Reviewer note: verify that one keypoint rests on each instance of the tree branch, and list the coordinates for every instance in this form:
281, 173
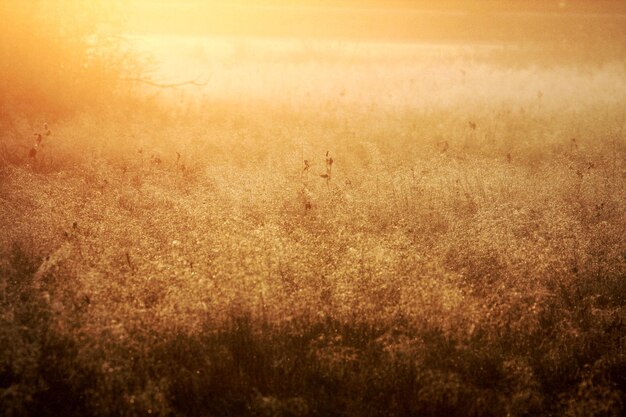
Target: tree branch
194, 83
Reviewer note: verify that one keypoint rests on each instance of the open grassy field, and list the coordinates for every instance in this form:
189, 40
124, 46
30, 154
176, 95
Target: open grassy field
326, 228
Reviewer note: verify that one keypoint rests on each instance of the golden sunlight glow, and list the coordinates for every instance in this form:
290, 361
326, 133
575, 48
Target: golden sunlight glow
396, 19
312, 208
405, 53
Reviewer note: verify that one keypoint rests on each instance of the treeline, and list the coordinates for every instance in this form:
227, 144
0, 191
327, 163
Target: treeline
579, 6
60, 56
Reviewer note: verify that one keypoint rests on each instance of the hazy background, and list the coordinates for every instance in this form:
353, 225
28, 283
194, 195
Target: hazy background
401, 53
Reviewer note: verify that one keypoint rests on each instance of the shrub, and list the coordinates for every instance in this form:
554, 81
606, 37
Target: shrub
60, 56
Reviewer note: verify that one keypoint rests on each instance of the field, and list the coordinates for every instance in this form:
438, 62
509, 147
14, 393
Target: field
326, 228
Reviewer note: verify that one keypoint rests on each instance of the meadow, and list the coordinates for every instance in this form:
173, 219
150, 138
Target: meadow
326, 228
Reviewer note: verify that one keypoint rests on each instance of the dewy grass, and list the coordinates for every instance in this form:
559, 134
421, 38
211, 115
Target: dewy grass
454, 248
414, 282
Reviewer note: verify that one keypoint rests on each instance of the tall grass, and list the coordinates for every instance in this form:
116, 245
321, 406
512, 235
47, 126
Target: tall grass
486, 279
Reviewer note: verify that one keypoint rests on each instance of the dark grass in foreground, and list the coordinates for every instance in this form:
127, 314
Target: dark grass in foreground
311, 366
455, 269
